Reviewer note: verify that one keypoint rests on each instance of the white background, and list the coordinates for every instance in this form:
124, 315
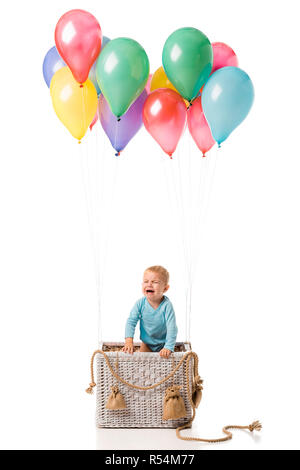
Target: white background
246, 299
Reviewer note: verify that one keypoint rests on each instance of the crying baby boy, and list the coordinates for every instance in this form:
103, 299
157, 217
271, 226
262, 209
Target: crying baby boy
154, 311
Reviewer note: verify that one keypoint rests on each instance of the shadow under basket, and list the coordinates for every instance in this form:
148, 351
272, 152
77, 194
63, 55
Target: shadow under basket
144, 408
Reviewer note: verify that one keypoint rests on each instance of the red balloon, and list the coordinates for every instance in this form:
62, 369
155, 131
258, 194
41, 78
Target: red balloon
199, 127
78, 38
224, 56
164, 117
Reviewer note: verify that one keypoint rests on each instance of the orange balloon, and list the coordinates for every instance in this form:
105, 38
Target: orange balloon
164, 117
160, 80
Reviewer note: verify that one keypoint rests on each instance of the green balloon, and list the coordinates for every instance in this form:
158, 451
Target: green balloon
122, 72
187, 60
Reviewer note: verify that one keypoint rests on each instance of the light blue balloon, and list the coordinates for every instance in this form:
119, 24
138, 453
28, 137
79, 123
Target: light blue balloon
52, 63
92, 74
226, 100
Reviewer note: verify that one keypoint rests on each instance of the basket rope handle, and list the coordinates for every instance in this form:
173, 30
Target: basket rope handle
138, 387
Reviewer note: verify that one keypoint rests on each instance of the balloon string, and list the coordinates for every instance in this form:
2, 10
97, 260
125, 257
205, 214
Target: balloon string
107, 175
102, 226
116, 136
102, 212
97, 177
109, 206
93, 163
180, 211
188, 197
178, 214
195, 188
91, 187
93, 182
94, 191
181, 206
174, 205
99, 189
210, 171
195, 198
188, 191
83, 106
182, 234
183, 214
105, 178
91, 225
191, 207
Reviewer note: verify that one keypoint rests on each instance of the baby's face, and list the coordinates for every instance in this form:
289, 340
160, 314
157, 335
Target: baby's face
153, 286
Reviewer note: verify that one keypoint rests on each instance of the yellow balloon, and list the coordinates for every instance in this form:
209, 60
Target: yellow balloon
160, 80
75, 105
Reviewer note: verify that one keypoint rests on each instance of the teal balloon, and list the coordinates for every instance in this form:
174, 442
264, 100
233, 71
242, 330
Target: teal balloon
187, 60
122, 72
226, 100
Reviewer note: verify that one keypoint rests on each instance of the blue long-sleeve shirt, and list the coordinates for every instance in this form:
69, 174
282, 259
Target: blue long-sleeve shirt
157, 326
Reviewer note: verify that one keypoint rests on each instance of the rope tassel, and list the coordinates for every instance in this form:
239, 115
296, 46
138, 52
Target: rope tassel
90, 390
255, 426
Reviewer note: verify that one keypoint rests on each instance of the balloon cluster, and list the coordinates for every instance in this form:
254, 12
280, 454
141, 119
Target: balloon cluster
92, 77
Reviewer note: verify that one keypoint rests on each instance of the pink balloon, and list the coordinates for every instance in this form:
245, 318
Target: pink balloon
78, 38
199, 127
148, 84
94, 120
164, 117
224, 56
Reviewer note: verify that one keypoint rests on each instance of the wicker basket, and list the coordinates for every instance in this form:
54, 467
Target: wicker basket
143, 379
144, 409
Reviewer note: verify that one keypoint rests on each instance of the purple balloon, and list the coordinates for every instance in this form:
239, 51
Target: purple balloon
52, 63
122, 131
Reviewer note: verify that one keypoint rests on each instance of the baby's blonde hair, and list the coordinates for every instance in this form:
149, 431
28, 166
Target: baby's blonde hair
161, 271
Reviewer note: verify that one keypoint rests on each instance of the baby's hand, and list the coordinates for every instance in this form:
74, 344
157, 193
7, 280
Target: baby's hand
128, 346
165, 353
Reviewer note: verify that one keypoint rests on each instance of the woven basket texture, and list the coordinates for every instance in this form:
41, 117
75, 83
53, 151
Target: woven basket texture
144, 409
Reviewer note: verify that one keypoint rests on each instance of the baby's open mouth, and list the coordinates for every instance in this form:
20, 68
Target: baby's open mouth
150, 291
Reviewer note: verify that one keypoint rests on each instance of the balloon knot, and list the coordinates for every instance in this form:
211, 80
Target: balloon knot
203, 155
81, 85
219, 145
79, 141
119, 119
117, 154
